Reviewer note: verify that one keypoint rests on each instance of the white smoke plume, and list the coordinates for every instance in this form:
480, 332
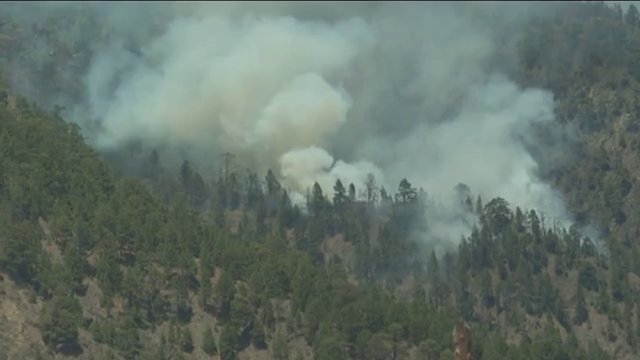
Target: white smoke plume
315, 91
306, 166
481, 147
257, 87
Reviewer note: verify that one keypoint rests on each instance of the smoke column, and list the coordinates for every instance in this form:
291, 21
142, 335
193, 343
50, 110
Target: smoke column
315, 91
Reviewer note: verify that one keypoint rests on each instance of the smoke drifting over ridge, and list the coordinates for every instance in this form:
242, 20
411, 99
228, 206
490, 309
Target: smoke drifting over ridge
315, 91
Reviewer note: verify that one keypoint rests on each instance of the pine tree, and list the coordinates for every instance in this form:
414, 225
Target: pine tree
209, 342
406, 193
581, 313
479, 206
75, 263
340, 196
228, 342
186, 341
632, 16
279, 348
206, 270
60, 320
371, 189
225, 291
433, 268
352, 192
285, 211
253, 190
273, 186
486, 289
316, 203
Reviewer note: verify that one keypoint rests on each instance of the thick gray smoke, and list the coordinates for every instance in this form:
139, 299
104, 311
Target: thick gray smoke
316, 91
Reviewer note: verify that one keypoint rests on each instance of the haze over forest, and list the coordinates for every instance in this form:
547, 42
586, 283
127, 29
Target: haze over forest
315, 91
492, 144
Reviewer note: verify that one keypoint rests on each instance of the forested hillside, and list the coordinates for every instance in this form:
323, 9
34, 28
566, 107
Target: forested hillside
175, 264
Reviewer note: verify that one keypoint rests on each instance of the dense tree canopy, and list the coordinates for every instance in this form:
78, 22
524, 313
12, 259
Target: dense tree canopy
349, 279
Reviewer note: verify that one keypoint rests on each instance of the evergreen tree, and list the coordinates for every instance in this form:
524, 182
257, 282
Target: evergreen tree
486, 289
75, 263
581, 313
273, 186
279, 348
317, 201
225, 291
229, 342
340, 196
253, 190
433, 269
352, 192
632, 17
152, 170
186, 341
479, 205
60, 320
385, 198
206, 271
233, 184
209, 342
406, 193
371, 189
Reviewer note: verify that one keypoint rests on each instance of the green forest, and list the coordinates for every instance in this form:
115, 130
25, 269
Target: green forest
172, 264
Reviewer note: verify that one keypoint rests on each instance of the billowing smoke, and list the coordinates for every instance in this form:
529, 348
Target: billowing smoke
305, 166
314, 91
482, 147
257, 86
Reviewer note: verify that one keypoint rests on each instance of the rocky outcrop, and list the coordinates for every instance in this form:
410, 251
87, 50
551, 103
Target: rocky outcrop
462, 341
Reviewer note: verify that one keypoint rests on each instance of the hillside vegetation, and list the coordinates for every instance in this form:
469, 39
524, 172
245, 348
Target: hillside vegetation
172, 265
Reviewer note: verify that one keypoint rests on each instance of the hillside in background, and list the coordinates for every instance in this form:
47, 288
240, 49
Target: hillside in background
172, 264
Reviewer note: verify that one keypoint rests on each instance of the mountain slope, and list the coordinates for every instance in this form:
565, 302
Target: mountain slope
96, 265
